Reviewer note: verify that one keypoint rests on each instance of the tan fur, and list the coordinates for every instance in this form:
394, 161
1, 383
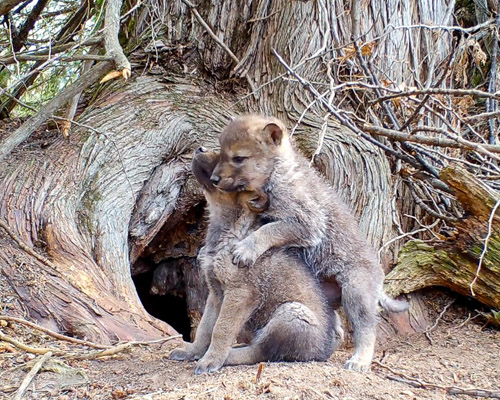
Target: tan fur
304, 213
278, 300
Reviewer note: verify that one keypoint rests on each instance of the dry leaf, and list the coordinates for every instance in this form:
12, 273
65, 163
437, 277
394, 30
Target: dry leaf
125, 73
478, 54
463, 104
367, 48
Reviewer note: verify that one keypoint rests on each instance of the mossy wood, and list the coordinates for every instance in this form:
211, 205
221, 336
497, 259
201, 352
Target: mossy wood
454, 263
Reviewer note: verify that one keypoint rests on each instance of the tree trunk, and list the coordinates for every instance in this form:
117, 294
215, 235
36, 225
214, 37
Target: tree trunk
117, 199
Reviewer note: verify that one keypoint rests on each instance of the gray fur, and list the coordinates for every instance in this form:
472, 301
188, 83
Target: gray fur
304, 213
277, 300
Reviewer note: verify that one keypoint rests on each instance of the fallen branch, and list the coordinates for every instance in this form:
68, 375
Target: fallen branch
25, 347
108, 351
51, 333
120, 347
418, 383
27, 380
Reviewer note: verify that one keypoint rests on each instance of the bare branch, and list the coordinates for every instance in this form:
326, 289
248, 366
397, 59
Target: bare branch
341, 117
451, 92
425, 207
111, 31
81, 57
71, 26
491, 104
51, 333
24, 131
49, 51
29, 377
485, 247
432, 141
28, 25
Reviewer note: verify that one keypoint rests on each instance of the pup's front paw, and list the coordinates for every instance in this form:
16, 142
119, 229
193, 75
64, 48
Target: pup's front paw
358, 366
244, 253
189, 353
209, 363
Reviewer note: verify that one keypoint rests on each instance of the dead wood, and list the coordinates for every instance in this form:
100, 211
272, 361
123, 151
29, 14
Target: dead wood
468, 262
29, 377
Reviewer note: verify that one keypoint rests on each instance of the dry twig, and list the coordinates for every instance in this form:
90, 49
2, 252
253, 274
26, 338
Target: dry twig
10, 142
429, 329
27, 380
25, 347
418, 383
485, 247
51, 333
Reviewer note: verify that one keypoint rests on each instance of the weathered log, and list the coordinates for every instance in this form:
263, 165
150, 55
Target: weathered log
458, 262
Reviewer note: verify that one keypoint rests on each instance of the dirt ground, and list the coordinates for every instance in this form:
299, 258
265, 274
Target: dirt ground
460, 352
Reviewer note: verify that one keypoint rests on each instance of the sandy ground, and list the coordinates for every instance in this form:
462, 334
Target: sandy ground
461, 352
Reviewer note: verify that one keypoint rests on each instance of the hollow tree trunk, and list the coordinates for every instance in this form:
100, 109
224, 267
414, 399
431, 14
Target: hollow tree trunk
119, 192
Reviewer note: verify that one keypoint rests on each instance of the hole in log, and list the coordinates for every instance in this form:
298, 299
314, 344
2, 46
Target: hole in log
170, 307
166, 275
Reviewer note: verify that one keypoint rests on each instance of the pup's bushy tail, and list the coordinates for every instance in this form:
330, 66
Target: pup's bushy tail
395, 306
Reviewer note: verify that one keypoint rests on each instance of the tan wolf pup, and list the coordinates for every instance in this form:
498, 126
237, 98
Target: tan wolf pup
305, 213
277, 300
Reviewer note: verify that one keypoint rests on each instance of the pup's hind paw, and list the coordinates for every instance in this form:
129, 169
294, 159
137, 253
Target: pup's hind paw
244, 253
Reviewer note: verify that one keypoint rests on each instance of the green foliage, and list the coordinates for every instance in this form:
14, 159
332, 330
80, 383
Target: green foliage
46, 34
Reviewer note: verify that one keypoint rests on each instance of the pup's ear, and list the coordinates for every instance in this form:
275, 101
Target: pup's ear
258, 203
275, 132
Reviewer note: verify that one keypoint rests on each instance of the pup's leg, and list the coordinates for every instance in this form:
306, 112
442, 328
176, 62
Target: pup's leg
196, 350
237, 307
294, 333
360, 305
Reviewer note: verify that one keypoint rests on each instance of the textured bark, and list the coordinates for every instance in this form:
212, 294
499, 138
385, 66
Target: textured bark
118, 199
454, 263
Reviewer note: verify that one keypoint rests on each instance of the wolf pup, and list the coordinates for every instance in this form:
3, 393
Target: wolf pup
277, 300
304, 212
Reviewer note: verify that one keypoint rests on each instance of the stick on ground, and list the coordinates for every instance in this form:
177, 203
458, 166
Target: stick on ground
27, 380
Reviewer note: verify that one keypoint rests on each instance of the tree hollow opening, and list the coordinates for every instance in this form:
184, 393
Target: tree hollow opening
166, 275
170, 307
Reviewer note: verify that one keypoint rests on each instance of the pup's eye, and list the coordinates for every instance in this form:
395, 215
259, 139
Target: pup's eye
239, 160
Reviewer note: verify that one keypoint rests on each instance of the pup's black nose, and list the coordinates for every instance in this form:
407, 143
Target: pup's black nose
215, 179
200, 150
